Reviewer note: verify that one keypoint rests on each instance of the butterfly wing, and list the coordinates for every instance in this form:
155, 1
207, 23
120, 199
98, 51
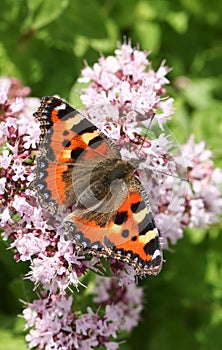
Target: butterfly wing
128, 234
66, 136
136, 238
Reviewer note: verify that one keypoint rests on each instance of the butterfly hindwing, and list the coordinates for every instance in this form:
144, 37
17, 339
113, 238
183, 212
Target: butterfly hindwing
128, 234
137, 241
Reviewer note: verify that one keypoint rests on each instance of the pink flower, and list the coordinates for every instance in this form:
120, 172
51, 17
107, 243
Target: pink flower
122, 307
52, 323
17, 105
51, 316
29, 245
19, 170
4, 88
2, 185
203, 201
128, 83
5, 159
5, 217
56, 270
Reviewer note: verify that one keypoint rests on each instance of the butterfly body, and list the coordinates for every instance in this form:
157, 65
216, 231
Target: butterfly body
79, 167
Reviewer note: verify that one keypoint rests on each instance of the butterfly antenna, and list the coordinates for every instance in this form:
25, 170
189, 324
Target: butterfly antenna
159, 171
177, 177
148, 128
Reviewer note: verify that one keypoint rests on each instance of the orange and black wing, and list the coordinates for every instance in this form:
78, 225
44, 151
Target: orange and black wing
128, 234
66, 136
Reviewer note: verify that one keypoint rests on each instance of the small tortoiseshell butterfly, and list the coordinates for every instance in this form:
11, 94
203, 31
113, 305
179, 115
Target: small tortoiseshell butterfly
79, 167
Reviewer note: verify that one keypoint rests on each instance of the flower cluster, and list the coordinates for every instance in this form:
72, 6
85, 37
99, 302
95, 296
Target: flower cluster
54, 325
17, 138
126, 99
203, 201
124, 93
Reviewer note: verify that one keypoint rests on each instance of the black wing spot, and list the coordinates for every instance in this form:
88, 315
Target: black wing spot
121, 217
66, 143
125, 233
75, 153
151, 246
66, 113
137, 207
157, 261
84, 126
146, 225
134, 238
95, 142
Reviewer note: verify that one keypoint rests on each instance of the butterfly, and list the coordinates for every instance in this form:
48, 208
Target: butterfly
79, 167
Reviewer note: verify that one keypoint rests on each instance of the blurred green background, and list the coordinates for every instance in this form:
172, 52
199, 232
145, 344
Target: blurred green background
44, 43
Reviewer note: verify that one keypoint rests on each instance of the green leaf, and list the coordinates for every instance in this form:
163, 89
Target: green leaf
7, 66
11, 333
149, 35
145, 11
42, 12
109, 43
16, 217
198, 92
178, 21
